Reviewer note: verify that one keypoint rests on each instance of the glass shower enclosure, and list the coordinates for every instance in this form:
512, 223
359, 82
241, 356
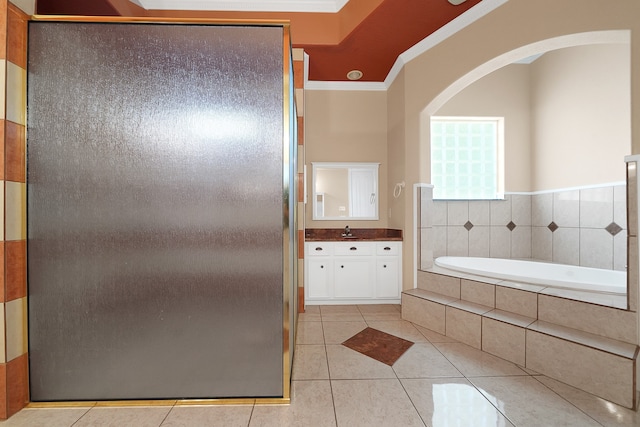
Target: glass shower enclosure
161, 248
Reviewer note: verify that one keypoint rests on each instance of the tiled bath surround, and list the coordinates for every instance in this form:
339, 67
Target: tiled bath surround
591, 346
586, 227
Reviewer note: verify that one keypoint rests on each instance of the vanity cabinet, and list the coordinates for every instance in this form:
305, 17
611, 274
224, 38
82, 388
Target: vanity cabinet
353, 272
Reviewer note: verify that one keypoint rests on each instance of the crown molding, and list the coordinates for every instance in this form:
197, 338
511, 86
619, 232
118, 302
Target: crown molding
326, 6
462, 21
340, 85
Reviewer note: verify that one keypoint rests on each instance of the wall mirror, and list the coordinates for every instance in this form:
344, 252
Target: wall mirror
345, 190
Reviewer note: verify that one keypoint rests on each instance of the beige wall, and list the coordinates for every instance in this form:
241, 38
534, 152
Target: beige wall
567, 116
510, 32
581, 116
396, 153
347, 126
503, 93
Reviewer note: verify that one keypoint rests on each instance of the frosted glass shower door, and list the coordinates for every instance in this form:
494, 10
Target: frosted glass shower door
155, 210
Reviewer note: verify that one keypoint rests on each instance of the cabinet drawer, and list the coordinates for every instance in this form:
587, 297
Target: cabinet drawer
387, 248
354, 249
318, 249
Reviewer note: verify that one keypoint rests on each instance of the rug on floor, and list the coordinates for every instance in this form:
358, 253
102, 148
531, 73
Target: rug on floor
383, 347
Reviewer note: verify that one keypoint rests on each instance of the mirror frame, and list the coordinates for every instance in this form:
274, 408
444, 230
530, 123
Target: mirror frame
345, 165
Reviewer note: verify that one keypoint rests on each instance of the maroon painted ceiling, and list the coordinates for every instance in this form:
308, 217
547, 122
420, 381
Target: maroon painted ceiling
372, 47
376, 43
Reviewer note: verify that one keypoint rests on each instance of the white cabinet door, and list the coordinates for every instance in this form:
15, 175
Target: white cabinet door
353, 277
318, 278
387, 278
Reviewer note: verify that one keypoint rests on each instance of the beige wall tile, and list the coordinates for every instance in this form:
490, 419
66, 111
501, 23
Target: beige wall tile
503, 340
16, 328
441, 284
425, 313
632, 199
516, 301
464, 326
301, 166
2, 204
16, 95
605, 321
603, 374
3, 84
15, 211
3, 343
479, 293
633, 276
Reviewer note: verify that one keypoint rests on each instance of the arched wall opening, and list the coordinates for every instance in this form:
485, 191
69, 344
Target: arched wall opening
613, 37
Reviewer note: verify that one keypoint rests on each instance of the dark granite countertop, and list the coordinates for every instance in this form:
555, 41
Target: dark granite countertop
335, 234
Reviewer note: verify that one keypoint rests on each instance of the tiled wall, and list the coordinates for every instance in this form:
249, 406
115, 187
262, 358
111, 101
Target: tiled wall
584, 227
299, 78
14, 393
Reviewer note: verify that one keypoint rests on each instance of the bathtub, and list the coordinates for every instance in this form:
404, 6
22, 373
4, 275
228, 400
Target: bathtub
541, 273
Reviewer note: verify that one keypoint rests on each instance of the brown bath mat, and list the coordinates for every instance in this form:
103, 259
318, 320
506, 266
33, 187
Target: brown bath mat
383, 347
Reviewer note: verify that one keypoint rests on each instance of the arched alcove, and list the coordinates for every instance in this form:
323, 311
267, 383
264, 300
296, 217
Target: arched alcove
621, 37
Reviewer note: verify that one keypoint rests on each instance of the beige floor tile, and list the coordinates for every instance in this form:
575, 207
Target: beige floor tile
423, 360
216, 415
339, 309
45, 417
342, 317
312, 309
372, 317
345, 363
339, 332
311, 405
433, 336
309, 317
310, 333
373, 403
310, 363
526, 402
603, 411
472, 362
400, 328
130, 416
452, 402
379, 308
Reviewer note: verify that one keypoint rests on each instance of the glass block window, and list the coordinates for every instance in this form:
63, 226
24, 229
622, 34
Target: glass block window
467, 157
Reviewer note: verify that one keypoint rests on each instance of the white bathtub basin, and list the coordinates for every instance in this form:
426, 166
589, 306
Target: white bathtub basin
540, 273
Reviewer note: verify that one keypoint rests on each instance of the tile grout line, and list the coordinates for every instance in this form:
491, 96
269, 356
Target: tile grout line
326, 355
563, 398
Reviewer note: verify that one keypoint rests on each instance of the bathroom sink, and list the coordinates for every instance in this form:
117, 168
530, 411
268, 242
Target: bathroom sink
344, 236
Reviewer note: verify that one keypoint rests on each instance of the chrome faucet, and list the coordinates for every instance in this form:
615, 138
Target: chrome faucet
347, 231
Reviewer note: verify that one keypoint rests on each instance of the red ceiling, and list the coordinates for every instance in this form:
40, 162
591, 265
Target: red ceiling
372, 47
376, 43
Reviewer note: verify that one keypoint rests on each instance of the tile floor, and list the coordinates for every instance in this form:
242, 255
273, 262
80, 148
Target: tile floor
437, 382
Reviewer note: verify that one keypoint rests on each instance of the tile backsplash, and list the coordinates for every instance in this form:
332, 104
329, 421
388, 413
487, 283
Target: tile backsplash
586, 226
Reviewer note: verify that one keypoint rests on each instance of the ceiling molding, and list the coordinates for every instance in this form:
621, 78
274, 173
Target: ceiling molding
355, 86
326, 6
467, 18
